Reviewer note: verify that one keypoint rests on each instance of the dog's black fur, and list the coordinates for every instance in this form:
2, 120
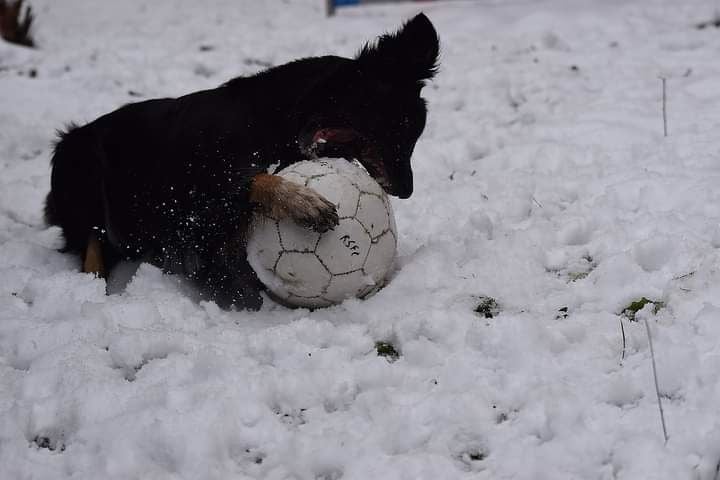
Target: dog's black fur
171, 180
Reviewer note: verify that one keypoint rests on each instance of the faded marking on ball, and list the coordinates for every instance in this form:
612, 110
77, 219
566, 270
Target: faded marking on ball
343, 250
350, 244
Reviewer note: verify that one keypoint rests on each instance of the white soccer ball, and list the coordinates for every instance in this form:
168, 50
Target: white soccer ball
305, 268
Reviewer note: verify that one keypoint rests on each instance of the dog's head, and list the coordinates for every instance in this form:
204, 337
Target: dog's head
369, 108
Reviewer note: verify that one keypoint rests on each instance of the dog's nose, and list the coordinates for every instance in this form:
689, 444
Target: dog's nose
403, 189
401, 180
404, 193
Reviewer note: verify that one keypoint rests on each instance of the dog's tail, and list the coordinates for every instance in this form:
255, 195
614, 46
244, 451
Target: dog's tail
75, 200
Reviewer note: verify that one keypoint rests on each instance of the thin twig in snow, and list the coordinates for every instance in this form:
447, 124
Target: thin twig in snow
622, 330
664, 104
657, 388
680, 277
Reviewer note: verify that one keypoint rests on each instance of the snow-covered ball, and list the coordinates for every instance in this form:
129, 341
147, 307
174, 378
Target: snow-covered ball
305, 268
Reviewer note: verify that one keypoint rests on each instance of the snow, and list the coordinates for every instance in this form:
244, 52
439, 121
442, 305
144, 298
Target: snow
543, 180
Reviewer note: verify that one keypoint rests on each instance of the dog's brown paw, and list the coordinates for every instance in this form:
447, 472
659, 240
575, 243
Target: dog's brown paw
309, 208
280, 198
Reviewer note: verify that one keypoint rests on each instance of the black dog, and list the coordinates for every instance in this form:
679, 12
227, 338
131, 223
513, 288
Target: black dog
176, 181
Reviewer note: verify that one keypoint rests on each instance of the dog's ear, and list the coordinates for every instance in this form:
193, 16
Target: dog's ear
411, 53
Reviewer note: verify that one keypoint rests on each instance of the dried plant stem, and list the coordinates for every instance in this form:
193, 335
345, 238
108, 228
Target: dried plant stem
14, 26
657, 388
622, 331
664, 105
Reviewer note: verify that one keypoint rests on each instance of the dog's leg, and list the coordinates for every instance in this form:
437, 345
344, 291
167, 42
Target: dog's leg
239, 288
279, 198
93, 259
224, 275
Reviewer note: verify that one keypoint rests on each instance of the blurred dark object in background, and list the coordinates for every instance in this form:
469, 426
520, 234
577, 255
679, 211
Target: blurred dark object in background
332, 5
715, 22
15, 27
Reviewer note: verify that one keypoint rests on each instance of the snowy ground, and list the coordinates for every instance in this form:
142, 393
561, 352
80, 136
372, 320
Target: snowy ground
543, 181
